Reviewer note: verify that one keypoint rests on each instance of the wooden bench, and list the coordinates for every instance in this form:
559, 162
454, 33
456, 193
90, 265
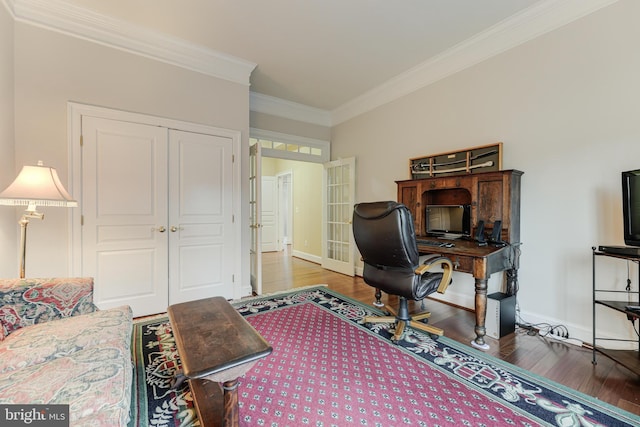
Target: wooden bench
216, 346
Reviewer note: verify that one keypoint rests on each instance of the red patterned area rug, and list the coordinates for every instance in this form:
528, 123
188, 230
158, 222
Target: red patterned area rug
326, 369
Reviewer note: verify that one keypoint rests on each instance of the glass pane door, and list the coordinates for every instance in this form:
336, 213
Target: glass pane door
255, 178
339, 195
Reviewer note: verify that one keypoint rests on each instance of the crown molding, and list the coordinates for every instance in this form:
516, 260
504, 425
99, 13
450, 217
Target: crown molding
75, 21
539, 19
8, 4
291, 110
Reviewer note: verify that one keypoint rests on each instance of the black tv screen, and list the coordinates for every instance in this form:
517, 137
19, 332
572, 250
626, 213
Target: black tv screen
451, 221
631, 207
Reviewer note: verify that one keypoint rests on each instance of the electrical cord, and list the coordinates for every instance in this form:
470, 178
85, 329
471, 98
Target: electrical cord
542, 329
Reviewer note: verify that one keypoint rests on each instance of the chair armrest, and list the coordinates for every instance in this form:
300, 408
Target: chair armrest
447, 267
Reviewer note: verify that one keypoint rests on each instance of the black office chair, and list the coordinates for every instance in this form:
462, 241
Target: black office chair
385, 236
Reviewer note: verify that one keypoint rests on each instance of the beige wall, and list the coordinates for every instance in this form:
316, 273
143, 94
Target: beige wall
307, 203
8, 219
52, 69
566, 106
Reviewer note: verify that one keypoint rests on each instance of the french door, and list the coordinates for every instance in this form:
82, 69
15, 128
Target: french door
269, 214
255, 216
338, 199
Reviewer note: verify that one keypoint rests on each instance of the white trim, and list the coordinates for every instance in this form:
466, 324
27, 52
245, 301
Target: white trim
324, 146
291, 110
85, 24
75, 112
8, 4
307, 256
539, 19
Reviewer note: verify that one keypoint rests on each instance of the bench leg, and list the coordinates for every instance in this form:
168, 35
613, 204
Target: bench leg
178, 379
230, 403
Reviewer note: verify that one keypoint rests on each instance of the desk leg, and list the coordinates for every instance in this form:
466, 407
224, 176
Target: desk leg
481, 314
230, 403
512, 281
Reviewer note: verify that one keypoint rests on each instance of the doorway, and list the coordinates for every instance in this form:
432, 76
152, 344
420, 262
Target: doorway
274, 154
299, 212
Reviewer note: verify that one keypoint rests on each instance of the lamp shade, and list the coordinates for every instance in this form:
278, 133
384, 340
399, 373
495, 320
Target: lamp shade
37, 186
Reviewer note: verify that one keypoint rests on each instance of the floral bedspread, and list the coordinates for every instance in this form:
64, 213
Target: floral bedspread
57, 348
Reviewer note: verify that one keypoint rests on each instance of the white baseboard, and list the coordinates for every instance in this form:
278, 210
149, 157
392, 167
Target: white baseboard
307, 257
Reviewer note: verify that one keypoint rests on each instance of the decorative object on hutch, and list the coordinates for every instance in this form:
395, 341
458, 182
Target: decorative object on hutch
494, 201
470, 160
35, 186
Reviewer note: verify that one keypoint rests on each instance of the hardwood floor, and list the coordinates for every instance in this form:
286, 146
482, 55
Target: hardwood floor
566, 364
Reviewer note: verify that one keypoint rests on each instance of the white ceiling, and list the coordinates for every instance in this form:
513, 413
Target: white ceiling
327, 54
320, 53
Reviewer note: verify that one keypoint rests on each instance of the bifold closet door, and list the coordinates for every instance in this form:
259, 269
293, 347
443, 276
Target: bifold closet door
124, 211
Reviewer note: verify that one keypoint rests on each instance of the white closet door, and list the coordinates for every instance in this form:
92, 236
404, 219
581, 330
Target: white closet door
124, 209
201, 244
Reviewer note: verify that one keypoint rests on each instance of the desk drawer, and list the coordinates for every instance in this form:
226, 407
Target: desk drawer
462, 263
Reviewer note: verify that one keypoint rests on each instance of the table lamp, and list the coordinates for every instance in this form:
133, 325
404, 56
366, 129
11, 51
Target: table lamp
34, 186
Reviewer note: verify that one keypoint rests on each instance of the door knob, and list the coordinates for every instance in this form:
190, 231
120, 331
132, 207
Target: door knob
161, 229
174, 228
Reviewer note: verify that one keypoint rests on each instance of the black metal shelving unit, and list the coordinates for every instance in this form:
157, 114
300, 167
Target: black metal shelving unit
630, 359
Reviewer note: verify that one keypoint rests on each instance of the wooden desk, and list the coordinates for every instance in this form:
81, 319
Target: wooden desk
492, 197
216, 345
481, 262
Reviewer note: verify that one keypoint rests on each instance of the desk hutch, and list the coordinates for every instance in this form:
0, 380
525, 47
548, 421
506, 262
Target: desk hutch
493, 196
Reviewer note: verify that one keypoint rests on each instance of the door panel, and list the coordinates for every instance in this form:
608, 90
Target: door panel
124, 199
200, 215
269, 200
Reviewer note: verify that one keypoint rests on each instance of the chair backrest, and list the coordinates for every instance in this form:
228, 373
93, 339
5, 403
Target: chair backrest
385, 235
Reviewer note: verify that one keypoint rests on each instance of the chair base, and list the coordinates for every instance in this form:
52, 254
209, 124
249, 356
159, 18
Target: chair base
401, 323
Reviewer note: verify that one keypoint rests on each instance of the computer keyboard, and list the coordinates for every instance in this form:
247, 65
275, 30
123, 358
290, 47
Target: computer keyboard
436, 243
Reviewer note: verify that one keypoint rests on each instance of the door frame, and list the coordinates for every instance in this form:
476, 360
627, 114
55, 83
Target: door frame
75, 112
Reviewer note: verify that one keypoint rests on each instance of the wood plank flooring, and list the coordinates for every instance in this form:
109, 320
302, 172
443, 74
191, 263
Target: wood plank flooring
566, 364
